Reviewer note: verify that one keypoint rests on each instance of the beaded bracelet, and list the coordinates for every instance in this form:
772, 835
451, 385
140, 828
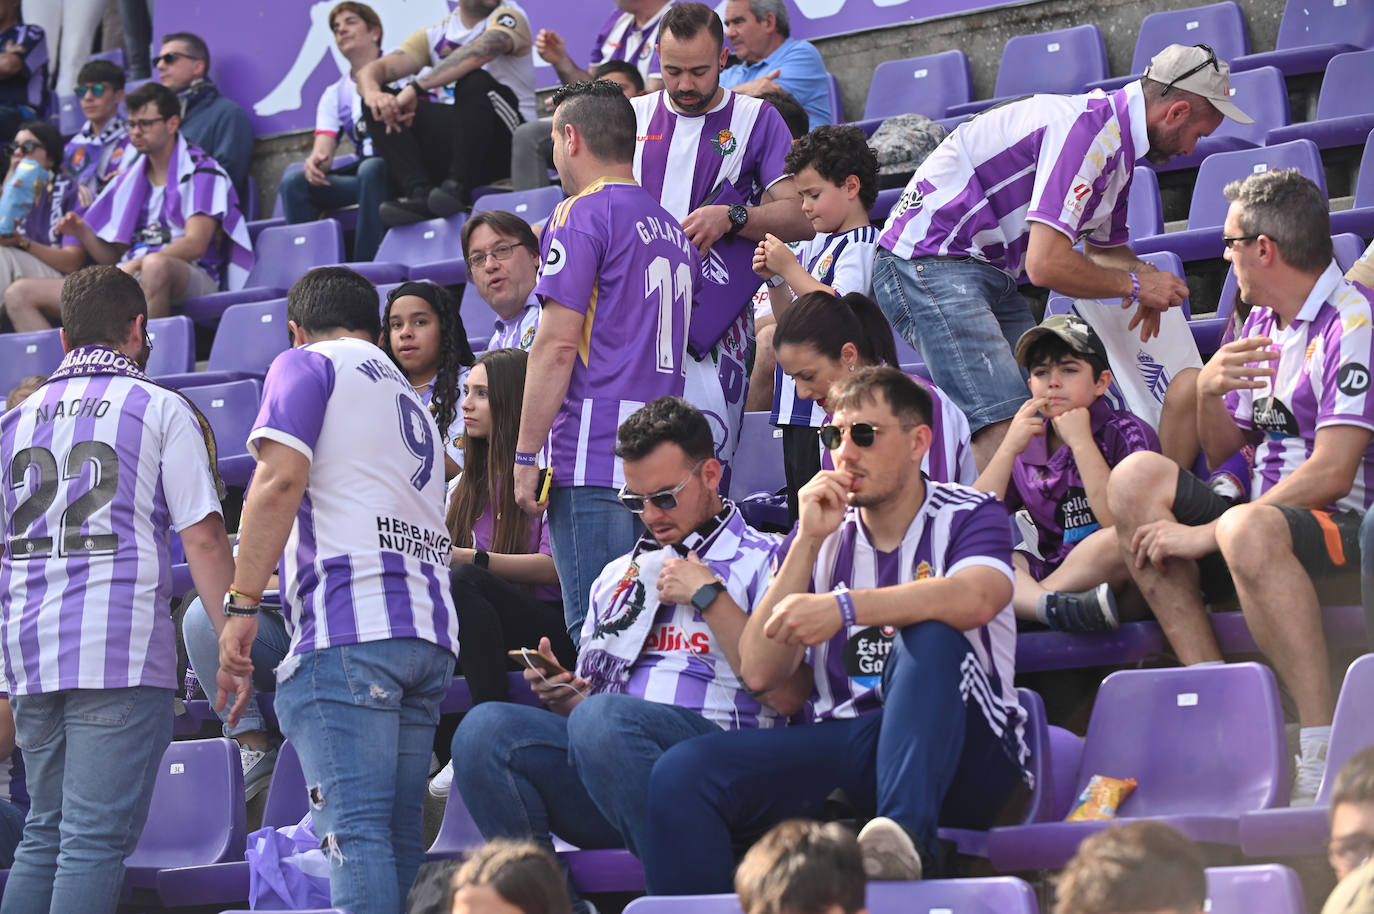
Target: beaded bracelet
1135, 292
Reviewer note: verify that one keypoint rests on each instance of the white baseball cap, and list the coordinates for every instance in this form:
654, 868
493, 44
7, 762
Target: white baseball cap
1196, 69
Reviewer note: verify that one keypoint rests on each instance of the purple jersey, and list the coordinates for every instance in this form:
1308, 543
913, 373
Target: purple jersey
1323, 379
1051, 490
956, 528
539, 543
613, 255
1065, 161
97, 471
621, 39
368, 554
60, 197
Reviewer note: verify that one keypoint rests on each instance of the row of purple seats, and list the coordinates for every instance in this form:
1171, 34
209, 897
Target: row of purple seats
1360, 217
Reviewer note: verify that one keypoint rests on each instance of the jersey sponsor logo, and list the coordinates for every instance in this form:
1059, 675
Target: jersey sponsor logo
668, 638
865, 655
1275, 419
1353, 379
506, 21
910, 199
724, 142
646, 137
554, 260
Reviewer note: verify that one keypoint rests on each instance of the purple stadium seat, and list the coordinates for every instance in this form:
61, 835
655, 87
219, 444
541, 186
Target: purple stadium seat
311, 911
609, 870
458, 834
479, 319
836, 99
1347, 247
1311, 33
1207, 212
230, 409
1060, 61
284, 253
69, 116
203, 775
1221, 26
757, 471
1260, 93
1360, 217
1042, 651
174, 345
1341, 624
23, 354
1345, 113
459, 697
882, 206
534, 206
1206, 744
1303, 830
431, 250
985, 895
685, 904
1144, 208
1269, 888
926, 85
1066, 756
249, 336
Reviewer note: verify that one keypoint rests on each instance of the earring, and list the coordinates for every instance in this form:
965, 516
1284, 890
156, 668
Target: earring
851, 367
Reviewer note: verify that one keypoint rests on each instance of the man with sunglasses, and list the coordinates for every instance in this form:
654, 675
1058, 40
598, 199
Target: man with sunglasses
1005, 198
658, 662
1296, 387
100, 149
890, 608
210, 120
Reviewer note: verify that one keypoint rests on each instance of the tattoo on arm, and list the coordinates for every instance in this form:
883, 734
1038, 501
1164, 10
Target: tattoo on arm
490, 45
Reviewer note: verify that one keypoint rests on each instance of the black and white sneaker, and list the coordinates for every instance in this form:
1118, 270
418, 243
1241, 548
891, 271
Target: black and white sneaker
1085, 611
405, 210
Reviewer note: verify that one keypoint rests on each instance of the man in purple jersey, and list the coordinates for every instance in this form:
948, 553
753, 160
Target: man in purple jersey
99, 464
658, 661
889, 610
1296, 385
618, 281
1005, 198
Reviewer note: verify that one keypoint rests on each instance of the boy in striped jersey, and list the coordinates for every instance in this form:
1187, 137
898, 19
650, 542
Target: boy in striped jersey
890, 611
1296, 385
837, 175
99, 464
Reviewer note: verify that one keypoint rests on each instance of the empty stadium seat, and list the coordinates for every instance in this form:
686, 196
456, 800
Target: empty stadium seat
69, 116
230, 409
431, 250
757, 470
882, 206
174, 345
1061, 61
836, 100
249, 336
1269, 888
479, 319
1360, 217
1206, 745
534, 206
1144, 208
1345, 111
24, 354
1220, 26
1311, 33
926, 85
1260, 93
203, 775
982, 895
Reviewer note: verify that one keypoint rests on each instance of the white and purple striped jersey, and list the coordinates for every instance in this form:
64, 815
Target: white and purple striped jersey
682, 662
956, 528
368, 554
844, 262
340, 110
518, 333
1062, 160
31, 46
614, 255
950, 457
92, 159
97, 471
515, 70
1323, 379
621, 39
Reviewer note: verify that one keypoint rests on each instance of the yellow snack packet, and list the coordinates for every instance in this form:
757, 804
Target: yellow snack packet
1101, 798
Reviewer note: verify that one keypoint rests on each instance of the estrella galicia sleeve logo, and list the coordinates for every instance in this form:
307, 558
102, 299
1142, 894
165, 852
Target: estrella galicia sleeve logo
865, 655
1353, 379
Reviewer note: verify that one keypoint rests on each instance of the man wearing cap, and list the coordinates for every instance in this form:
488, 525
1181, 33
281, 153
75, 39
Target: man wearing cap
1005, 198
1296, 387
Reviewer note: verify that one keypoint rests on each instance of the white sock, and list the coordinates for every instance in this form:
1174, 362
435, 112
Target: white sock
1209, 663
1042, 608
1313, 740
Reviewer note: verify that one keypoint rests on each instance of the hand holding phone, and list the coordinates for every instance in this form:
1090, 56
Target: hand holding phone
534, 660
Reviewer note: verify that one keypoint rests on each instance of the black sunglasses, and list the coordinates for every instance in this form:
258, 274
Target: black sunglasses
172, 57
28, 147
664, 500
863, 434
1211, 61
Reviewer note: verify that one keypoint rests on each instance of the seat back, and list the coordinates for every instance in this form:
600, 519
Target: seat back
1347, 248
757, 466
1209, 205
836, 99
534, 206
919, 85
1060, 61
685, 904
287, 798
1221, 26
204, 775
1198, 740
249, 337
1144, 208
458, 833
286, 252
1262, 94
423, 242
987, 895
1344, 87
882, 206
69, 115
1041, 805
174, 345
1364, 182
1260, 889
24, 354
1352, 728
1066, 757
1306, 23
230, 409
1169, 262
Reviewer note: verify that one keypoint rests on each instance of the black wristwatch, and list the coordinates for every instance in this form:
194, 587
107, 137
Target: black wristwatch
481, 559
739, 218
706, 595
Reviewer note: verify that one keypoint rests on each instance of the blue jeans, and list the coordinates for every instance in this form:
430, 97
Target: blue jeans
926, 759
588, 526
202, 647
363, 183
964, 318
524, 772
362, 719
91, 756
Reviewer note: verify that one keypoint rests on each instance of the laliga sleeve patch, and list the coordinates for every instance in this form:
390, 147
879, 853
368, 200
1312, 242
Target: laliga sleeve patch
506, 21
1353, 379
554, 260
1079, 191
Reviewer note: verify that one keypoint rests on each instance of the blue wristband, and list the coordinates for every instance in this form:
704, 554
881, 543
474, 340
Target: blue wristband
525, 459
846, 602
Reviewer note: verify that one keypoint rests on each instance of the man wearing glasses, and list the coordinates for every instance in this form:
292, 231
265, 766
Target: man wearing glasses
658, 661
890, 607
210, 120
1296, 387
502, 255
1006, 197
1352, 824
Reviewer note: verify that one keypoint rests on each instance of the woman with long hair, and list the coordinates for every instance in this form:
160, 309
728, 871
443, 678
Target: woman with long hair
820, 339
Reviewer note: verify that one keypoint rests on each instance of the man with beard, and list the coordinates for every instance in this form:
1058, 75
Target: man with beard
1004, 199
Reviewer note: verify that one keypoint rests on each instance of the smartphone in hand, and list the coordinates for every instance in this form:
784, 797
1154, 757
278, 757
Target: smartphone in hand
536, 661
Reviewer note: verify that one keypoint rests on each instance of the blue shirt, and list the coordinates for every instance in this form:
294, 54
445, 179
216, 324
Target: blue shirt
803, 75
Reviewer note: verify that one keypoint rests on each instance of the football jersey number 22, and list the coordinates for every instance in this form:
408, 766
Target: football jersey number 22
77, 513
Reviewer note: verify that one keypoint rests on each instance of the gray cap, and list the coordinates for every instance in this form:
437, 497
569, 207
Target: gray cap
1070, 328
1196, 69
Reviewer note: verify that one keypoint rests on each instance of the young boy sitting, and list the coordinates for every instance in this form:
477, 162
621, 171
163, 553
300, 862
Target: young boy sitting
803, 867
1054, 462
837, 175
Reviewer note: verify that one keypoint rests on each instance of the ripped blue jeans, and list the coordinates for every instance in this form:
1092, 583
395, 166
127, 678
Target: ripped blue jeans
362, 719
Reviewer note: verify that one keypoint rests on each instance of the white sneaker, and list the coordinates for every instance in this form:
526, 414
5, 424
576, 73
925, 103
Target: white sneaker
442, 783
257, 769
1307, 776
889, 853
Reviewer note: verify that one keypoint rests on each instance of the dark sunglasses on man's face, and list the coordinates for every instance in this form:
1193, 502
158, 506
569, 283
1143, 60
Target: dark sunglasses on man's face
95, 90
863, 434
172, 57
663, 500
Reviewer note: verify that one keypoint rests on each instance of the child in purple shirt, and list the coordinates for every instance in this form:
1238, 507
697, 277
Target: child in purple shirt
1054, 462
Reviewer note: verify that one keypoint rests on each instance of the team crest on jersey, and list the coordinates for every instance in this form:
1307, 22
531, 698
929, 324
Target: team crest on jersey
645, 51
923, 571
78, 159
527, 338
827, 263
724, 142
